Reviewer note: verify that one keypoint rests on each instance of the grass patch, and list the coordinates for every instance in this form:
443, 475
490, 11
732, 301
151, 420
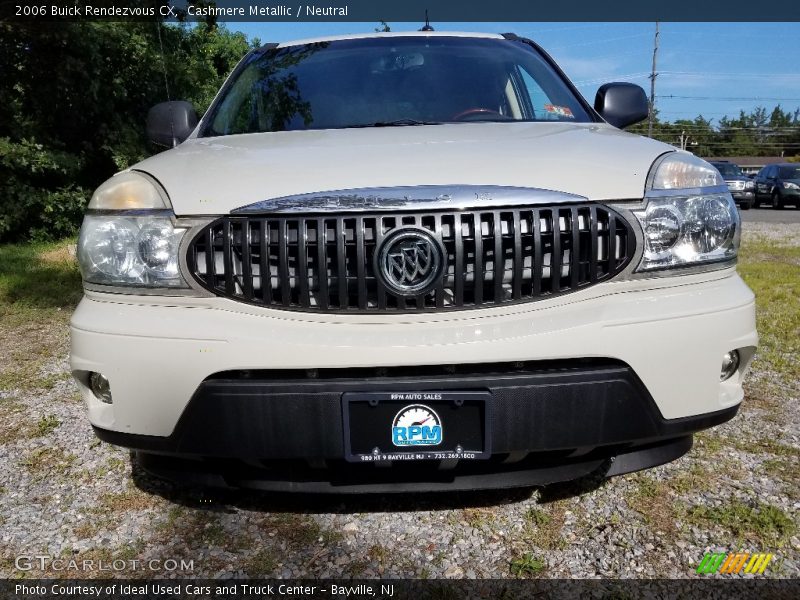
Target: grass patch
527, 565
300, 531
772, 270
131, 499
537, 517
38, 277
543, 528
85, 530
48, 461
197, 528
692, 480
478, 518
261, 563
765, 522
652, 500
769, 446
46, 425
40, 284
708, 442
13, 423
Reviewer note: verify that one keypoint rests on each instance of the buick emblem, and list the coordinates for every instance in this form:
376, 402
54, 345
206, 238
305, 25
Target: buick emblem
410, 262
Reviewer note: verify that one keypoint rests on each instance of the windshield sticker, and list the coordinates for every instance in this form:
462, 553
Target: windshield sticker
561, 111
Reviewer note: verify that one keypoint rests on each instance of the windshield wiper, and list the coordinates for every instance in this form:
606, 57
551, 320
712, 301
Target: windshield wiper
398, 123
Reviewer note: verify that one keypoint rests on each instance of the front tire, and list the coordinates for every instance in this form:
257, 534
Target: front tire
747, 205
777, 203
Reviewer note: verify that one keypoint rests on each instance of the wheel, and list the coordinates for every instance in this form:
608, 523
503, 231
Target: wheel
747, 205
777, 203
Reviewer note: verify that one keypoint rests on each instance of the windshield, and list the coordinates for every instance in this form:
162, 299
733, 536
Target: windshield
728, 169
790, 172
392, 81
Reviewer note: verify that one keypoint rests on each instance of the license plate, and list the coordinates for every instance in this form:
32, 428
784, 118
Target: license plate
408, 426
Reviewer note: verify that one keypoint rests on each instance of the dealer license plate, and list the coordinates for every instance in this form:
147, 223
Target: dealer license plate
408, 426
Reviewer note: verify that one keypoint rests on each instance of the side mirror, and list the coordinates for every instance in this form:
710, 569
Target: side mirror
621, 104
169, 123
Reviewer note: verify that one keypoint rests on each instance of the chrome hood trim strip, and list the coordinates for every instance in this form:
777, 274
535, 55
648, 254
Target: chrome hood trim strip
425, 197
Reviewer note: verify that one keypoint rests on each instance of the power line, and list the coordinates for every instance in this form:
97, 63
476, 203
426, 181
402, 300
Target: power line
728, 75
571, 28
592, 43
731, 98
587, 82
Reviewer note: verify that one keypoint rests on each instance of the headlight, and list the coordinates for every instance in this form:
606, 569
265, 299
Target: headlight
791, 186
690, 217
128, 238
750, 185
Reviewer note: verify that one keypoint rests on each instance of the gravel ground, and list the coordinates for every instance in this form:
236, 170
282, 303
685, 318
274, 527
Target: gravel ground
65, 494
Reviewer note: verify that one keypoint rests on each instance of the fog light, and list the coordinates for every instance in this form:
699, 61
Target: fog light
730, 364
100, 387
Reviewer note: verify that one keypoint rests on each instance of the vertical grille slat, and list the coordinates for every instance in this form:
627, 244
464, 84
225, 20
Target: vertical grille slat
361, 267
458, 271
593, 255
518, 258
478, 273
492, 257
247, 265
379, 235
302, 262
612, 243
499, 263
439, 289
537, 252
322, 264
555, 255
264, 267
341, 263
574, 249
283, 262
227, 257
211, 269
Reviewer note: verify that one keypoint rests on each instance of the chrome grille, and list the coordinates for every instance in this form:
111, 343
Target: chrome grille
492, 257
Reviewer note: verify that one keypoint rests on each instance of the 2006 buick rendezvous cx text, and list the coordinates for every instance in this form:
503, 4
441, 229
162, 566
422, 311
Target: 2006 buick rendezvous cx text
409, 262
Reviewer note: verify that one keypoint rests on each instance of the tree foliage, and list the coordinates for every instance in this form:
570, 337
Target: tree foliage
73, 103
758, 133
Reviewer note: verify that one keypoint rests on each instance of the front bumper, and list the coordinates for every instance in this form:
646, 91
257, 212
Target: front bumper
652, 355
742, 196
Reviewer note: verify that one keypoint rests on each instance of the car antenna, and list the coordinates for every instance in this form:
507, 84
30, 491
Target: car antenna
427, 26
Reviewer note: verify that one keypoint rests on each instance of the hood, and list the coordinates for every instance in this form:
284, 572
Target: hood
206, 176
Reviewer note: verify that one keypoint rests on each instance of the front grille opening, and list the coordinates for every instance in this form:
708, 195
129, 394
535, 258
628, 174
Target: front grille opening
327, 264
422, 371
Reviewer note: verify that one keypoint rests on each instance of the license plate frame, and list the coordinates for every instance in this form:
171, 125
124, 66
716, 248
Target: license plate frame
378, 426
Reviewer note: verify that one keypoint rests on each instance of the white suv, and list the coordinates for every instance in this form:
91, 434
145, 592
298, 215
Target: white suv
409, 262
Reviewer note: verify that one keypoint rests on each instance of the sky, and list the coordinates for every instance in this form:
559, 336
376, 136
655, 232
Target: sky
709, 69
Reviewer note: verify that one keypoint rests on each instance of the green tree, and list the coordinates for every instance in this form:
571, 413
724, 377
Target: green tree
73, 103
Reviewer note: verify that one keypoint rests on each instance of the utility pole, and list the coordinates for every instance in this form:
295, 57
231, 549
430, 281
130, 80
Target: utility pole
684, 140
653, 76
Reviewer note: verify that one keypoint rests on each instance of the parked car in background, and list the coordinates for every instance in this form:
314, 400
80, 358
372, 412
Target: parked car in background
740, 185
778, 184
